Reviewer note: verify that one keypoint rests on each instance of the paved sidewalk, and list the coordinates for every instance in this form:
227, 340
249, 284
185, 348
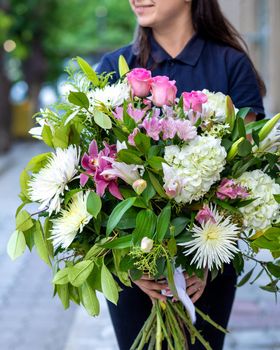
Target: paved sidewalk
30, 319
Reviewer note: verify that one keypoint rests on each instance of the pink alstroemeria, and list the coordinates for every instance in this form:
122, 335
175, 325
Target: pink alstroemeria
229, 189
132, 135
136, 113
205, 214
94, 164
185, 130
169, 128
194, 100
153, 127
118, 113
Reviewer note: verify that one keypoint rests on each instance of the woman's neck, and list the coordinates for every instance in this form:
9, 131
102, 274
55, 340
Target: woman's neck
174, 36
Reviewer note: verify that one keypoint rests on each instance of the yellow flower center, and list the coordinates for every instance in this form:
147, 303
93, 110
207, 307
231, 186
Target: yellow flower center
212, 233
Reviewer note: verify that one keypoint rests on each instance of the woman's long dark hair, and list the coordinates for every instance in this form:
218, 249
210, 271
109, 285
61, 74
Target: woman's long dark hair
210, 23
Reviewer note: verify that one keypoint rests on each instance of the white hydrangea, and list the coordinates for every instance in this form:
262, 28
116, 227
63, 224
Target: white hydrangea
111, 95
196, 167
261, 213
216, 105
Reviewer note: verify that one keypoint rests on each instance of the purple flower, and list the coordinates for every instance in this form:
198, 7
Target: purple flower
185, 130
118, 113
94, 164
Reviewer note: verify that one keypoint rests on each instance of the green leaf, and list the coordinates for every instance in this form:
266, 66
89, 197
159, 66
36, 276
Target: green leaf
148, 193
255, 136
119, 243
16, 245
154, 150
89, 72
163, 223
79, 273
78, 99
255, 125
109, 287
128, 220
142, 142
61, 137
226, 206
156, 162
94, 204
23, 221
29, 237
89, 299
129, 157
244, 148
172, 247
243, 203
135, 274
38, 162
157, 186
24, 180
271, 287
61, 277
273, 234
246, 278
68, 195
47, 135
63, 293
74, 294
41, 244
145, 225
102, 119
239, 129
238, 263
277, 197
179, 224
117, 213
273, 269
170, 277
123, 66
242, 113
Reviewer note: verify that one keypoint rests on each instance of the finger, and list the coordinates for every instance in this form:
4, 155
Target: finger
196, 296
192, 280
147, 277
153, 294
192, 290
152, 285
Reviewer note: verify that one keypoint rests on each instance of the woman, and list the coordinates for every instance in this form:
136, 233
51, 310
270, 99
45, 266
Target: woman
193, 43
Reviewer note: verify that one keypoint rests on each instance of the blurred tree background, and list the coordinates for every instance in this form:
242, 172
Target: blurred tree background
38, 37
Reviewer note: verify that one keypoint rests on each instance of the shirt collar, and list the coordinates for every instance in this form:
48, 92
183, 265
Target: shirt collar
189, 55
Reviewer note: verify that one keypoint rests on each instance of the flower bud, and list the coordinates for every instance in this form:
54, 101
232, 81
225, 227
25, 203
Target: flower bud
234, 149
146, 244
267, 128
230, 113
139, 186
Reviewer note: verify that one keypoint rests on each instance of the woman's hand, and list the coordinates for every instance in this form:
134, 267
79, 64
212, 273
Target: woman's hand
151, 287
196, 286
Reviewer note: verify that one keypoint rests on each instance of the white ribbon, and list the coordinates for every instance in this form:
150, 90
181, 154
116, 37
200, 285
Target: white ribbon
181, 286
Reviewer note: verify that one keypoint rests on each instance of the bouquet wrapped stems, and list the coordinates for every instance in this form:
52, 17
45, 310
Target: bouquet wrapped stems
170, 322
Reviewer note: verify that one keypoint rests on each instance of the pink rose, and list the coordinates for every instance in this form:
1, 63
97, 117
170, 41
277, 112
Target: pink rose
205, 214
140, 81
194, 100
163, 91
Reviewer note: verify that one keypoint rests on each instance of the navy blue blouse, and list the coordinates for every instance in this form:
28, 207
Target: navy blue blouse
202, 64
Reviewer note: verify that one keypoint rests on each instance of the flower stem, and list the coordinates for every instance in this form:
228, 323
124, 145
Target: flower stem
209, 320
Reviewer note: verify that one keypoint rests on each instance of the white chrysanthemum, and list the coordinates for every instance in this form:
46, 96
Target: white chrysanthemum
111, 96
47, 186
197, 165
71, 220
214, 243
264, 210
271, 143
215, 106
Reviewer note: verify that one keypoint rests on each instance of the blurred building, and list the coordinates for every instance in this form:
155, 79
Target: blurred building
258, 22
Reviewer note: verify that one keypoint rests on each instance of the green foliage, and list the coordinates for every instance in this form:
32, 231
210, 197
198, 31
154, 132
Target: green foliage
109, 287
94, 204
79, 272
16, 245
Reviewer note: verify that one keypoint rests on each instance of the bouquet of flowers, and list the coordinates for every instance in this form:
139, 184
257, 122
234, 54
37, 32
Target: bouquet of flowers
141, 182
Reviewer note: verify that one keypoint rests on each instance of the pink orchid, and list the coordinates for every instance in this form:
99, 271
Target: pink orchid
132, 135
185, 130
205, 214
169, 128
127, 172
172, 183
230, 189
136, 113
194, 100
94, 164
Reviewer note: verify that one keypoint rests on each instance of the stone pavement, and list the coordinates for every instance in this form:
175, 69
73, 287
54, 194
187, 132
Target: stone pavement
30, 319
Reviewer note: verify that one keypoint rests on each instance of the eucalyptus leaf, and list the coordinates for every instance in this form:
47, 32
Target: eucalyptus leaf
109, 287
94, 204
23, 221
78, 99
102, 120
61, 277
63, 293
89, 299
41, 244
